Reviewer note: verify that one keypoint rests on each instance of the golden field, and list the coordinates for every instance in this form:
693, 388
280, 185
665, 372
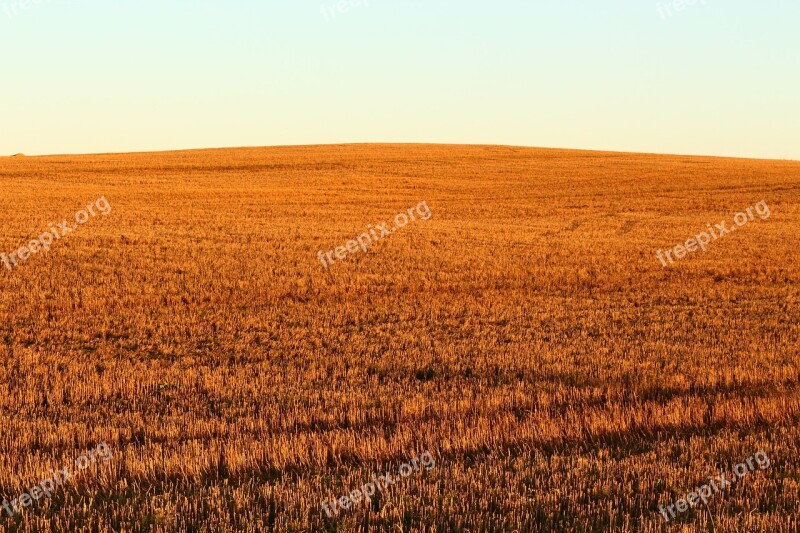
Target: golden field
526, 335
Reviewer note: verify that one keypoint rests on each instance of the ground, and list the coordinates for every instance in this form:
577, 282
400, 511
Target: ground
526, 335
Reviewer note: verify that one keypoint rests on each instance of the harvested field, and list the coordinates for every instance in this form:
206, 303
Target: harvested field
526, 335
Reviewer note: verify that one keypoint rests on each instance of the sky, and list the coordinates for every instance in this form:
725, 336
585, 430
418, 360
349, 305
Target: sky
714, 77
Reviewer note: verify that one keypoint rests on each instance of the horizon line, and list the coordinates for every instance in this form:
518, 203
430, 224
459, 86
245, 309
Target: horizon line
320, 145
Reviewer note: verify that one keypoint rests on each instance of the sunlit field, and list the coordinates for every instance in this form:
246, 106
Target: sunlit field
526, 335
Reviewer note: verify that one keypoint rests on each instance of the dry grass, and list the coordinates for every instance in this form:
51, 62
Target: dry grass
526, 335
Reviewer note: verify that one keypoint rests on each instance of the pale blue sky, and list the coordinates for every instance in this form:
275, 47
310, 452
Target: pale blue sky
720, 77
